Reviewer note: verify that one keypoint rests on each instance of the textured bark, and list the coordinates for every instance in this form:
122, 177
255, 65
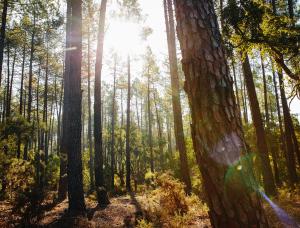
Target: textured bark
98, 159
263, 153
176, 104
2, 35
216, 128
128, 160
290, 156
73, 141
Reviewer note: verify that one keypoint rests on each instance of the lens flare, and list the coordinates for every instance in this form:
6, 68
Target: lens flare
287, 220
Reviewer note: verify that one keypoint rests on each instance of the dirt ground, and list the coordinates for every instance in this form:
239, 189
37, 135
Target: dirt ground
125, 211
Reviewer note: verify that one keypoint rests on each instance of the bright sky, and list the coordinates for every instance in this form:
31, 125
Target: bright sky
125, 37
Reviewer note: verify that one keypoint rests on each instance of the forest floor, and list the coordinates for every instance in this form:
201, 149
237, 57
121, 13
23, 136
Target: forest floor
125, 211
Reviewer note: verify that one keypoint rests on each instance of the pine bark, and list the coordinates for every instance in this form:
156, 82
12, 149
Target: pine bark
216, 127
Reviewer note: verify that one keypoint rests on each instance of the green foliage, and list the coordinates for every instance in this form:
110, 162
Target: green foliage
16, 126
52, 171
20, 177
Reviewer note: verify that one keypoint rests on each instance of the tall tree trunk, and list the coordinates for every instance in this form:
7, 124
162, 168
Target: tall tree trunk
6, 109
121, 142
10, 90
170, 150
44, 130
2, 35
29, 102
283, 144
150, 126
22, 80
268, 179
128, 160
291, 163
90, 141
176, 104
160, 134
99, 176
265, 91
113, 114
216, 128
73, 111
63, 180
235, 84
291, 8
244, 100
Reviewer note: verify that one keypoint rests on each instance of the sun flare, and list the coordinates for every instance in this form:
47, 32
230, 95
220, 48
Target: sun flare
123, 37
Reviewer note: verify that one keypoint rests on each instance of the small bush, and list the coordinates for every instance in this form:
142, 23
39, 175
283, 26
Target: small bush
172, 195
169, 206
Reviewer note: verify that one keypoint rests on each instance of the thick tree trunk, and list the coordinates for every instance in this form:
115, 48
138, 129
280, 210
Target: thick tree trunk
98, 159
2, 35
128, 159
73, 110
268, 179
216, 128
176, 104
